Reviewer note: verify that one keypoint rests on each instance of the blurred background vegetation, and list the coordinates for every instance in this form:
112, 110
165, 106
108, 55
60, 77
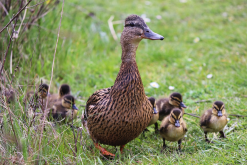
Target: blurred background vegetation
203, 56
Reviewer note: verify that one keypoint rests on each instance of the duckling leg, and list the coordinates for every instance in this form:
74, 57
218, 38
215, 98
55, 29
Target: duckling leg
103, 150
179, 145
222, 135
206, 138
164, 143
156, 127
121, 148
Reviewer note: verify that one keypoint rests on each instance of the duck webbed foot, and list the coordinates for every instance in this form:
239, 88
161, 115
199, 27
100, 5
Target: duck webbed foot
103, 151
222, 135
121, 148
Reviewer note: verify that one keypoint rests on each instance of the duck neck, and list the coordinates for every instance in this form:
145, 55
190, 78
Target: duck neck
129, 50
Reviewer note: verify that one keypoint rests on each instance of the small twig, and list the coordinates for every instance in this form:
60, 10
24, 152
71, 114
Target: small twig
191, 114
237, 115
15, 17
75, 139
35, 5
111, 28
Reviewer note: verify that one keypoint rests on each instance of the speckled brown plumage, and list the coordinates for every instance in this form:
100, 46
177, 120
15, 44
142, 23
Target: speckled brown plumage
214, 120
117, 115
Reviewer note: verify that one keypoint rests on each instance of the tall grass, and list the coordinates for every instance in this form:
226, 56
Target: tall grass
201, 38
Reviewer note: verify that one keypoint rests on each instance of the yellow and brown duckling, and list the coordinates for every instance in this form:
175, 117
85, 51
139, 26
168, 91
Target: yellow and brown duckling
37, 99
118, 114
214, 120
64, 89
173, 127
165, 106
64, 110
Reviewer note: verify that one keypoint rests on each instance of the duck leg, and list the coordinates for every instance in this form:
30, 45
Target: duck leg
103, 150
222, 135
179, 145
164, 143
156, 127
121, 148
206, 138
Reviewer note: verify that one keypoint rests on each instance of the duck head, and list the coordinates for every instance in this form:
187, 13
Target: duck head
176, 100
68, 102
218, 108
43, 90
175, 117
135, 29
64, 90
153, 102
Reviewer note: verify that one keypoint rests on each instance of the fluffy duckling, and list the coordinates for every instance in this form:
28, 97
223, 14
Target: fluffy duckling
173, 127
165, 106
155, 113
8, 93
64, 110
214, 120
37, 99
64, 89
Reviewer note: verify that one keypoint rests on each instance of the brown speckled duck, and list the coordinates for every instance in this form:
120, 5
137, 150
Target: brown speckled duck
118, 114
214, 120
64, 89
165, 106
64, 110
173, 127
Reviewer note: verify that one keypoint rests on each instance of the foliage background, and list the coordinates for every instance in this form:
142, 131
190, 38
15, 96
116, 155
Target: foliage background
201, 38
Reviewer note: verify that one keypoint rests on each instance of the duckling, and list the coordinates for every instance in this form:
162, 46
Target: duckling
165, 105
214, 120
155, 113
8, 93
65, 110
118, 114
173, 127
64, 89
37, 99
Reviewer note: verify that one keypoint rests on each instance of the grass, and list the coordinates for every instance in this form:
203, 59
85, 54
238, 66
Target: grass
88, 58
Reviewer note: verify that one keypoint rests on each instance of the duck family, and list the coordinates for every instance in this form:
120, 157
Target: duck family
116, 115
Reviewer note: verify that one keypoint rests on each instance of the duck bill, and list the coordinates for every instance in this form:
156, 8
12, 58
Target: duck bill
182, 105
219, 113
155, 111
74, 107
177, 124
149, 34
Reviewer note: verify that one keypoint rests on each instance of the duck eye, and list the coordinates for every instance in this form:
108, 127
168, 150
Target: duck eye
132, 24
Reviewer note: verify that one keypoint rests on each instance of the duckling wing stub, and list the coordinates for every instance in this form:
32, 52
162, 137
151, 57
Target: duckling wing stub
205, 119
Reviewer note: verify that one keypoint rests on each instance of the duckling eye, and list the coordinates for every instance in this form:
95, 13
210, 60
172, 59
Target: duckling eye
132, 24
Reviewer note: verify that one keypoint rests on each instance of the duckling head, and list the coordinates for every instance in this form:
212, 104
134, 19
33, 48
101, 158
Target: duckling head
176, 100
218, 108
43, 90
64, 90
68, 102
175, 117
135, 29
153, 102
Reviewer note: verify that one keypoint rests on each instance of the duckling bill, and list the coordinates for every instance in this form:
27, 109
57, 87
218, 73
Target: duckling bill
173, 128
214, 120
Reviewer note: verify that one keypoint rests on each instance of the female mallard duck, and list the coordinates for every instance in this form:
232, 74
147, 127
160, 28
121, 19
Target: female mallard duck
37, 99
173, 128
64, 89
165, 106
214, 120
118, 114
65, 110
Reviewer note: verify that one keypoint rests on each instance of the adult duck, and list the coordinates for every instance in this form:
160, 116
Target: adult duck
117, 115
